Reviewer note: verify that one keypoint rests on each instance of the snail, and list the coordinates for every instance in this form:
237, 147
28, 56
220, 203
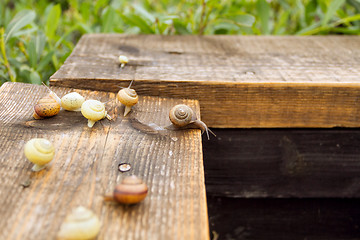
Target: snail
123, 60
39, 151
80, 224
183, 117
47, 106
94, 111
131, 190
72, 101
128, 97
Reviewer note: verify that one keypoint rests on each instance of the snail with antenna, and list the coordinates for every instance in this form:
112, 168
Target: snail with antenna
183, 117
128, 97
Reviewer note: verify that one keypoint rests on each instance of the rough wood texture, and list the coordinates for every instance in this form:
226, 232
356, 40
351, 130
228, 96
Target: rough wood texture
240, 81
85, 168
274, 219
282, 163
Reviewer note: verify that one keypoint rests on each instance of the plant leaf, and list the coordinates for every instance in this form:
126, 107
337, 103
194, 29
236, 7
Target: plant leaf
108, 19
245, 20
263, 9
143, 12
333, 7
180, 27
35, 77
20, 20
134, 20
44, 61
31, 49
26, 31
52, 21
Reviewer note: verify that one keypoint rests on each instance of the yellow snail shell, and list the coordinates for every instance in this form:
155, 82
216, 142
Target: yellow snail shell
94, 111
80, 224
39, 151
72, 101
182, 116
128, 97
123, 60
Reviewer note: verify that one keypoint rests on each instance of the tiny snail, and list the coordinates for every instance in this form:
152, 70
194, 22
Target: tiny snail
47, 106
123, 60
130, 191
72, 101
39, 151
94, 111
182, 117
80, 224
128, 97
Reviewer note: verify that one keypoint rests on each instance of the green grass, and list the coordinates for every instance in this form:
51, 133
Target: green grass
37, 36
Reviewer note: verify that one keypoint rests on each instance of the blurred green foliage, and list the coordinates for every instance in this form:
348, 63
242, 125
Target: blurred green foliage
36, 36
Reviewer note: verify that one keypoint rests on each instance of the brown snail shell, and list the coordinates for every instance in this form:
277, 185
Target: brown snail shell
46, 107
183, 117
130, 191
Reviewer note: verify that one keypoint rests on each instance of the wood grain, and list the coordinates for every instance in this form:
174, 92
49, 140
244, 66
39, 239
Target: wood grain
283, 163
240, 81
274, 219
85, 168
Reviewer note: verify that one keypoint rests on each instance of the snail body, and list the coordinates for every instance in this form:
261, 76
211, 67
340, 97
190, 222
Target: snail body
182, 117
131, 190
94, 111
80, 224
72, 101
39, 151
128, 97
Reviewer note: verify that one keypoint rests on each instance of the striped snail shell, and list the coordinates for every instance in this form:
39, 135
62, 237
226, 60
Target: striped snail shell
80, 224
182, 117
39, 151
128, 97
131, 190
94, 111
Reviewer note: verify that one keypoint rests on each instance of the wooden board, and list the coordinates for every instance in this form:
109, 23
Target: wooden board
85, 168
283, 163
274, 219
240, 81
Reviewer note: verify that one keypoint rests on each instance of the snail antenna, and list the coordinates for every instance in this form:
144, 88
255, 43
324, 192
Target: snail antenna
131, 83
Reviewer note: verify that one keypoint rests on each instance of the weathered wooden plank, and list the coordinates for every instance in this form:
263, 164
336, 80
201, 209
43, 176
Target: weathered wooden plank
85, 168
273, 219
240, 81
283, 163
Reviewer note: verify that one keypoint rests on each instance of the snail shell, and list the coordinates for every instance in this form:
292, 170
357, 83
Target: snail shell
39, 151
81, 223
128, 97
182, 117
94, 111
48, 106
72, 101
130, 191
123, 60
